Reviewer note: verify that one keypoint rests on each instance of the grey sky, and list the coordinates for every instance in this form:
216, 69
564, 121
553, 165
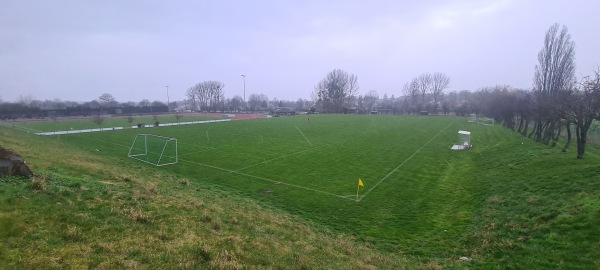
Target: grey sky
77, 50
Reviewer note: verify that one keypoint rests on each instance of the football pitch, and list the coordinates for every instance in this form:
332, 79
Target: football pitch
418, 194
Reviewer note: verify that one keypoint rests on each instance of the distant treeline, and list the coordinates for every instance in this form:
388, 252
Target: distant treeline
10, 111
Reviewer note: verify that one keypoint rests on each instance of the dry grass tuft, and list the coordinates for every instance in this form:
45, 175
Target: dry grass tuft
433, 266
225, 260
216, 224
136, 215
185, 182
234, 221
494, 199
206, 216
72, 234
38, 183
130, 179
152, 188
164, 235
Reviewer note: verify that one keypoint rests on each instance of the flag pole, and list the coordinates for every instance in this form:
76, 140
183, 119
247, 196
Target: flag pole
360, 183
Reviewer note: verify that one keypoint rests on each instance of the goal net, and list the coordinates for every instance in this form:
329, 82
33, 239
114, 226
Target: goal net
154, 149
473, 118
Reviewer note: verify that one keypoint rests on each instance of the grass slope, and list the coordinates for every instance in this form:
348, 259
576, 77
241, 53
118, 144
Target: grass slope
89, 211
508, 203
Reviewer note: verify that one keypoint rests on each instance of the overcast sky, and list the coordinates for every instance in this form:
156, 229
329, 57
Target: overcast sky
77, 50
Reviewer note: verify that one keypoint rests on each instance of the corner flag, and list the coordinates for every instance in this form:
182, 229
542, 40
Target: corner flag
360, 184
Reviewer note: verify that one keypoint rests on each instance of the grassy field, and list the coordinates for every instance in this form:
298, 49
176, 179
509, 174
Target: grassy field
508, 203
59, 124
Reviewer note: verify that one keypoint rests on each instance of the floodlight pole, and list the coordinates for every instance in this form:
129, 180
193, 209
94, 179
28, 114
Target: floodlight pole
168, 101
244, 78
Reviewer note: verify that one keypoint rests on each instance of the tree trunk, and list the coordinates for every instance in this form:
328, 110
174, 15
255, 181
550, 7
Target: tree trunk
535, 125
525, 127
568, 137
548, 133
557, 135
582, 128
581, 137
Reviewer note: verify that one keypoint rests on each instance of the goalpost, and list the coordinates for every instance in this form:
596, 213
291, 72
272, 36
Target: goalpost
154, 149
473, 118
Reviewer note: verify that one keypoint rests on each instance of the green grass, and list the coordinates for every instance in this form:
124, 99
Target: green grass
84, 210
508, 203
88, 123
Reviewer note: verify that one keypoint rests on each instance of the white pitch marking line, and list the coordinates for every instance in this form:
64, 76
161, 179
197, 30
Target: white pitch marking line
395, 169
265, 179
284, 156
302, 133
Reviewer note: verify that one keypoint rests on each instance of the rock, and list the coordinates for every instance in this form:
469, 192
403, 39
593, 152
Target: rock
11, 164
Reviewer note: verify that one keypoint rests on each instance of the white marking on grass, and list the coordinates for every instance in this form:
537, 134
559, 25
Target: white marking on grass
193, 153
398, 167
284, 156
254, 136
450, 164
302, 133
265, 179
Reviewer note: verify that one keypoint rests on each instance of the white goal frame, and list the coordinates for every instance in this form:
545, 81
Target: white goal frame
473, 118
145, 138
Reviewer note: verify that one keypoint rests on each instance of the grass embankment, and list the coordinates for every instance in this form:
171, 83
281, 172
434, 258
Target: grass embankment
538, 208
84, 210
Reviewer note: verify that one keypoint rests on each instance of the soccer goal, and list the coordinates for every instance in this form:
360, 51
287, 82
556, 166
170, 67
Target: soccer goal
486, 121
473, 118
154, 149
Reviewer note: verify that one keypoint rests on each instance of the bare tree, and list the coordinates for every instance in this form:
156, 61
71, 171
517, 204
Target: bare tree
235, 103
411, 92
208, 95
424, 86
98, 119
439, 82
144, 103
130, 119
582, 106
335, 89
554, 76
26, 100
107, 100
178, 116
191, 97
258, 102
370, 100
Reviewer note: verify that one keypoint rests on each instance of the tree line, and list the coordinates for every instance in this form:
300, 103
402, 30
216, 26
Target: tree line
557, 103
29, 107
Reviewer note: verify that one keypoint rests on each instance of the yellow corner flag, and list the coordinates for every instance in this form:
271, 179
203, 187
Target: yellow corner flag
360, 184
